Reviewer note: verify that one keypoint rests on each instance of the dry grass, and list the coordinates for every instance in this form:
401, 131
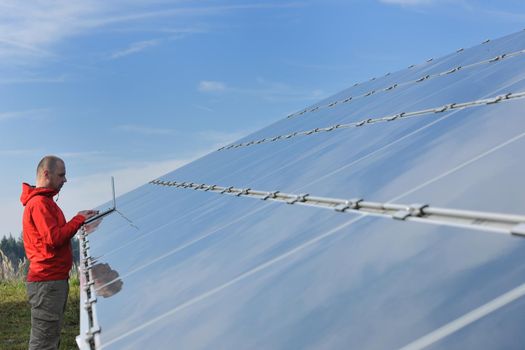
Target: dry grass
9, 272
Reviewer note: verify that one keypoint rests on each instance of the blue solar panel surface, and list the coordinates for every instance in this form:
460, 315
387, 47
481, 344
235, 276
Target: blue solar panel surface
201, 270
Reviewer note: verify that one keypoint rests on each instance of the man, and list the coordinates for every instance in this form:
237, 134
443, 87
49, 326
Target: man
47, 241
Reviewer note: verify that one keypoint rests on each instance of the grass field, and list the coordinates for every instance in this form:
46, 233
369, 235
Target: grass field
15, 316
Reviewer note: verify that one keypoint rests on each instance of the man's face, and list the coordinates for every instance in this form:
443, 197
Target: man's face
57, 178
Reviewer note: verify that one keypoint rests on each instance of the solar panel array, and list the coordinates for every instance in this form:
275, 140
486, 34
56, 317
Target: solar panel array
387, 216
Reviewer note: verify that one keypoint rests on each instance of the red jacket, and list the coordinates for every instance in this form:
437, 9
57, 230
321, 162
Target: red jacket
47, 235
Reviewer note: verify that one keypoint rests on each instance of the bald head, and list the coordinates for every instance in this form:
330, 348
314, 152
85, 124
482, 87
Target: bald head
51, 173
48, 163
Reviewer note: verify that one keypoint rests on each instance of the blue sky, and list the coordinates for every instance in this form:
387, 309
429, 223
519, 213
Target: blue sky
137, 88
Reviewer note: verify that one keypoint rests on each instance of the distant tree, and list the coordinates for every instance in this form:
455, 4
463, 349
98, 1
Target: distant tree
14, 250
13, 254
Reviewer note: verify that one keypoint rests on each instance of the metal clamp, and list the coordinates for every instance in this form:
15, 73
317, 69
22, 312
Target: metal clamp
270, 195
227, 189
242, 192
298, 198
391, 87
363, 122
88, 304
88, 285
342, 207
499, 98
90, 333
453, 70
396, 116
349, 204
413, 210
497, 58
309, 132
211, 187
444, 108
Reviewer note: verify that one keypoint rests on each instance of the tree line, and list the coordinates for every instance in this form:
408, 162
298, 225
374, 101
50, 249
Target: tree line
13, 249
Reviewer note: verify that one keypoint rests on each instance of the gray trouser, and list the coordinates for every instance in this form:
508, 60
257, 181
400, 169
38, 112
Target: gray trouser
48, 302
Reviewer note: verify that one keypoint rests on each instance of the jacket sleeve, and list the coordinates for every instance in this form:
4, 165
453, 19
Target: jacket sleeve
47, 225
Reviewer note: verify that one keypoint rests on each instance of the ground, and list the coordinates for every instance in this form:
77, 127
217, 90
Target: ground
15, 316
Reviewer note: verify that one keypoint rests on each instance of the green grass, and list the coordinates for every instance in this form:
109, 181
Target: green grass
15, 316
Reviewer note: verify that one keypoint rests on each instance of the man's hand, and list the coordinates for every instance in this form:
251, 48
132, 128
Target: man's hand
88, 213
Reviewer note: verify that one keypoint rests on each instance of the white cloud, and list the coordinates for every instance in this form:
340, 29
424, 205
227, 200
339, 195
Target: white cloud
30, 113
204, 108
266, 90
31, 30
135, 48
211, 86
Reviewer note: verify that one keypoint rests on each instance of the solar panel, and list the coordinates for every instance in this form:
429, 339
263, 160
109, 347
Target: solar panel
386, 216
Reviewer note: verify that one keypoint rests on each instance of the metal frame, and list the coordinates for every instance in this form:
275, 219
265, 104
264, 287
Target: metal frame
485, 221
90, 338
407, 83
388, 118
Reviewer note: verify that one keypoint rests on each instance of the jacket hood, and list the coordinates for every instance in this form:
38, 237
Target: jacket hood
29, 192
